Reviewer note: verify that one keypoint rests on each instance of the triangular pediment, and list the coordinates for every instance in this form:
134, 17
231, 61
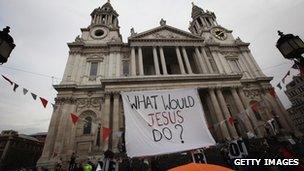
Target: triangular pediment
165, 32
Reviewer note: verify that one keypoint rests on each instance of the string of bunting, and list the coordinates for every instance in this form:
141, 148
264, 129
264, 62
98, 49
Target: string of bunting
296, 66
25, 91
106, 132
254, 107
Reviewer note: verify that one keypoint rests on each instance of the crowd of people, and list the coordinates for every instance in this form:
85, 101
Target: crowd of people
257, 148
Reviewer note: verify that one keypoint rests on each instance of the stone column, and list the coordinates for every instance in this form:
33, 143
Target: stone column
249, 64
218, 62
205, 57
203, 21
51, 136
75, 67
180, 60
240, 108
156, 66
110, 19
106, 116
254, 121
198, 26
63, 130
282, 119
218, 114
116, 110
140, 61
244, 67
285, 114
226, 112
163, 61
200, 59
118, 65
187, 61
68, 69
133, 62
253, 61
225, 64
70, 134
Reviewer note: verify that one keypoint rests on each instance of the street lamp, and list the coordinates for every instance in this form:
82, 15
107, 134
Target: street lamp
6, 44
291, 47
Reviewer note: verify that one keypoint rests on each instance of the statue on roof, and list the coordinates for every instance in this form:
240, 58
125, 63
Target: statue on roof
162, 22
133, 32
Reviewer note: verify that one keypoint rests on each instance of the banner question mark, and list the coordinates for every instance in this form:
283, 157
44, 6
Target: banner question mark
181, 133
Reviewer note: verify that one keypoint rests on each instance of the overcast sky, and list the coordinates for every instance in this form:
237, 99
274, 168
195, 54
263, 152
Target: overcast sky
41, 29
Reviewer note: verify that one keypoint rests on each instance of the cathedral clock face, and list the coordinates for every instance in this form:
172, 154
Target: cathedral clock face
219, 33
99, 32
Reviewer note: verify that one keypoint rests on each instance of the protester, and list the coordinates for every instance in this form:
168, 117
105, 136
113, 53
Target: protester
72, 163
87, 167
58, 166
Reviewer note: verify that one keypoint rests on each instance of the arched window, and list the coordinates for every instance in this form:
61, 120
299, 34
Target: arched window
87, 126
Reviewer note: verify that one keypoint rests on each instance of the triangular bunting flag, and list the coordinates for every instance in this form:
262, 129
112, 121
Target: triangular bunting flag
34, 96
7, 79
15, 86
43, 101
105, 133
279, 86
25, 91
272, 92
74, 118
231, 120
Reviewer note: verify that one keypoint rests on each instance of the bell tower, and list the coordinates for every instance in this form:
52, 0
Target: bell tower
201, 20
104, 27
106, 16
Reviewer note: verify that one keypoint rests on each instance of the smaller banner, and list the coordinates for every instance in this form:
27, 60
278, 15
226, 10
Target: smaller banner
237, 149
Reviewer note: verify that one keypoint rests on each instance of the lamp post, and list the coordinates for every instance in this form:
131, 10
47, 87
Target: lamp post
6, 45
291, 47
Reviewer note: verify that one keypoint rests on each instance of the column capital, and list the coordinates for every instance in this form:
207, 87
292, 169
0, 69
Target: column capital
116, 93
236, 87
211, 87
107, 94
219, 87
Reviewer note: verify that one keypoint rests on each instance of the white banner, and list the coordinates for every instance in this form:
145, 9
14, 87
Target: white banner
162, 122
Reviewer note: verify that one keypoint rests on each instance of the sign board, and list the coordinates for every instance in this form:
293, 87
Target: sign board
164, 121
237, 149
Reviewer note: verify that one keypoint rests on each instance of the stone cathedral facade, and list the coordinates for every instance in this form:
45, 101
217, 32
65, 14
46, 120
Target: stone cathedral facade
207, 57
